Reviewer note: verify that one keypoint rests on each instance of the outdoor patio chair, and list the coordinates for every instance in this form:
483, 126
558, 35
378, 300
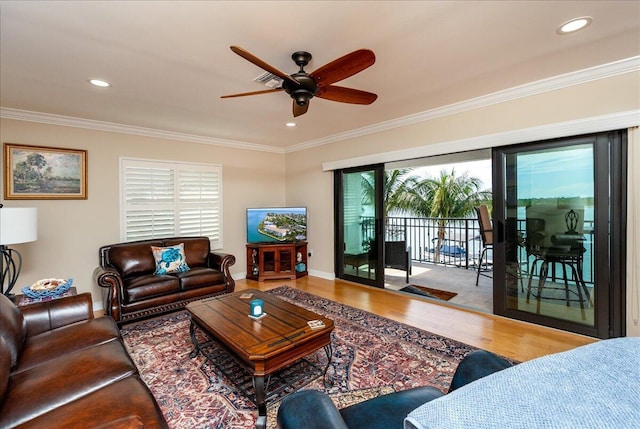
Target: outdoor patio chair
397, 255
486, 234
564, 248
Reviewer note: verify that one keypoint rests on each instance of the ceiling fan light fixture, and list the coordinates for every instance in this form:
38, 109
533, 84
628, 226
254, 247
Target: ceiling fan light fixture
574, 25
290, 124
301, 97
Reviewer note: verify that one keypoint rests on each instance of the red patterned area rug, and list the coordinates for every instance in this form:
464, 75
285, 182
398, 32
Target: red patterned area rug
372, 355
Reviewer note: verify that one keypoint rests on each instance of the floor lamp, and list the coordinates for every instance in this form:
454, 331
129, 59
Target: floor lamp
17, 225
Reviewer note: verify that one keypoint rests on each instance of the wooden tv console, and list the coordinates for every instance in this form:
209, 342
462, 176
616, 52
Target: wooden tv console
276, 261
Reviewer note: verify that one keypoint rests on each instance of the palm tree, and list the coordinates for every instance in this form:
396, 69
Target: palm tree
444, 197
397, 184
395, 190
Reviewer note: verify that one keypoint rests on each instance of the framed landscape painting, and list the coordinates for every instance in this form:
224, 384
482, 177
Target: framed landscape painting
42, 173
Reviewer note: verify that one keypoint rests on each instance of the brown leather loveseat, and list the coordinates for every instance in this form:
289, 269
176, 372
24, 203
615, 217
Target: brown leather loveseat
133, 290
62, 368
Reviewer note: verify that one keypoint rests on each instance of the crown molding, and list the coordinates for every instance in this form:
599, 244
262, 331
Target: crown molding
527, 90
614, 121
68, 121
545, 85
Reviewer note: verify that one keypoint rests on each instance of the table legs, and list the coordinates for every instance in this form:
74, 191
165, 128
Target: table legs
194, 340
258, 385
259, 381
329, 351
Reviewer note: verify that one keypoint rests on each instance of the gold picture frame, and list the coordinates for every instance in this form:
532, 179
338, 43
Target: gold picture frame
44, 173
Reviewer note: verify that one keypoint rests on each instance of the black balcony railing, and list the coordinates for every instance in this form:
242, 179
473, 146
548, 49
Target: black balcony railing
449, 241
457, 241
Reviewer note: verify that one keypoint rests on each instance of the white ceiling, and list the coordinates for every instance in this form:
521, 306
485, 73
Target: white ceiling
169, 61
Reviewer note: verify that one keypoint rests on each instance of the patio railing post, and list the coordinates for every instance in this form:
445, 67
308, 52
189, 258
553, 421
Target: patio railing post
466, 240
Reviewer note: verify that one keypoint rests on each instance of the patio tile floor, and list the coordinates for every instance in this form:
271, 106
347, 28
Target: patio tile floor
480, 298
453, 279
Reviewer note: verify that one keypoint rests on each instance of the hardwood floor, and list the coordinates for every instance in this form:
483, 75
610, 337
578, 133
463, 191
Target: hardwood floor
511, 338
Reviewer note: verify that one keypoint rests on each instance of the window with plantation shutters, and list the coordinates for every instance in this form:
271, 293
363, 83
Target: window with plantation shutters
165, 199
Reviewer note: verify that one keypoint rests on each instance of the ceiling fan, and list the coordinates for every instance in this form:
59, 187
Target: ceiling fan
303, 86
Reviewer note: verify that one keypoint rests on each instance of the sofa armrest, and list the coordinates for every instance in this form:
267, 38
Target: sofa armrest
222, 262
476, 365
111, 280
390, 410
45, 316
309, 409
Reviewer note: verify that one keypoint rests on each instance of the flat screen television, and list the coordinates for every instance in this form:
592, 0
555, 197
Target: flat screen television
276, 225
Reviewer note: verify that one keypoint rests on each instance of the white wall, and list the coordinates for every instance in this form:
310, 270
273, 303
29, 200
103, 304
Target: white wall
71, 231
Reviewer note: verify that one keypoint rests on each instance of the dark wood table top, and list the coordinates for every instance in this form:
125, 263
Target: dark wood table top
278, 339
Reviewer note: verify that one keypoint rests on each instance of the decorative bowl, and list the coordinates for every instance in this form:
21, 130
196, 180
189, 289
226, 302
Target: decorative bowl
47, 288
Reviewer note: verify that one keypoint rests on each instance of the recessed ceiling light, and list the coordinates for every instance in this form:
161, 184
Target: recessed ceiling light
99, 82
290, 124
574, 25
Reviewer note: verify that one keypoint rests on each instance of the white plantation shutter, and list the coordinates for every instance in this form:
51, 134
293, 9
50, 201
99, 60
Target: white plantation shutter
164, 199
199, 201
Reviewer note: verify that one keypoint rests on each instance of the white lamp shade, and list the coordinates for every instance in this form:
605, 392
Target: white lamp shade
18, 225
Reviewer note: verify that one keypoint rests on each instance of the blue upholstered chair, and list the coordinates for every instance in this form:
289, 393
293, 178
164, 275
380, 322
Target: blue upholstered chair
311, 409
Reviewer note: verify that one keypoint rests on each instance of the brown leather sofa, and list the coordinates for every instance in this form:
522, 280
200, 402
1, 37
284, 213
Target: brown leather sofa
62, 368
132, 291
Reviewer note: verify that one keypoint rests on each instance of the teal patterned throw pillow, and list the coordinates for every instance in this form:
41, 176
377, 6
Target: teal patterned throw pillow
170, 259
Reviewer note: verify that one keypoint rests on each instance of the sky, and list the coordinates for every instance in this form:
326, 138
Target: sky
478, 169
556, 174
540, 173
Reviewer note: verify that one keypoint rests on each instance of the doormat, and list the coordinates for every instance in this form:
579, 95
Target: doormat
428, 292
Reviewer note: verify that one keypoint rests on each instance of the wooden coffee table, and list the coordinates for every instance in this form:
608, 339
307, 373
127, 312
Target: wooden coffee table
262, 346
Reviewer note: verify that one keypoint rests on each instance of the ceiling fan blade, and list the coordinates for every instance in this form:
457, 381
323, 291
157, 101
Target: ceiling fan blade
346, 95
344, 67
266, 91
262, 64
299, 110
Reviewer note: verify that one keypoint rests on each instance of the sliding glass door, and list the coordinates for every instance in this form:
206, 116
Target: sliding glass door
559, 212
359, 220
